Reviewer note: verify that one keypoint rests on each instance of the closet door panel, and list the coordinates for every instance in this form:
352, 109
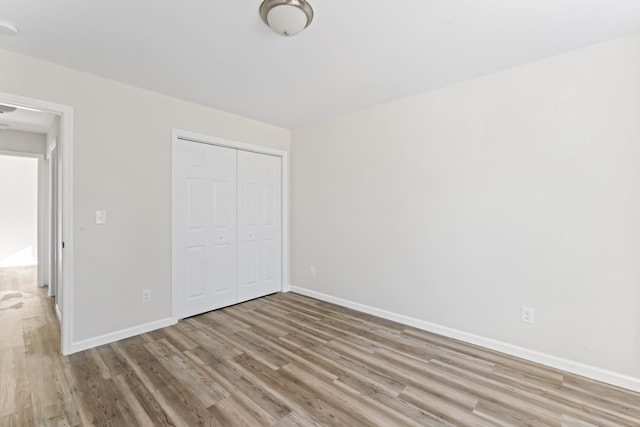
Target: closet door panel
259, 225
204, 227
223, 233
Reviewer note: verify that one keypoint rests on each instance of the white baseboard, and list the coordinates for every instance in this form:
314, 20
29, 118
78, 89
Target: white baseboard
120, 335
613, 378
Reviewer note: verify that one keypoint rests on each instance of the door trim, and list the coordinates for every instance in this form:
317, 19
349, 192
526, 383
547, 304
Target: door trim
66, 186
179, 134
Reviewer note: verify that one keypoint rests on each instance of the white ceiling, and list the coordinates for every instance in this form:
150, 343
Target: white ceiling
356, 53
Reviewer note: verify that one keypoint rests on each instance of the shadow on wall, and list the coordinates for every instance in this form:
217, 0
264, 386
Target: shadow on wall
21, 258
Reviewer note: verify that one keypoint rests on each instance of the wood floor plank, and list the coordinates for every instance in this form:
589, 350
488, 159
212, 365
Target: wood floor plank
236, 411
143, 402
200, 385
290, 353
101, 398
540, 402
114, 363
14, 389
173, 396
209, 340
282, 360
524, 366
21, 418
295, 419
297, 395
244, 386
362, 405
503, 416
445, 409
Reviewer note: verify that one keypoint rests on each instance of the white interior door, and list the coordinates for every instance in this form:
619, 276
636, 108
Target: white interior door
204, 247
259, 225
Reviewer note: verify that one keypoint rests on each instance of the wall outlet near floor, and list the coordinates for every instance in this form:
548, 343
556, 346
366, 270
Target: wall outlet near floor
146, 296
528, 315
312, 271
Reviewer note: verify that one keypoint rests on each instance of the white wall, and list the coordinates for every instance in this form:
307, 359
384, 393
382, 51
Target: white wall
458, 206
122, 148
28, 143
18, 232
22, 142
18, 210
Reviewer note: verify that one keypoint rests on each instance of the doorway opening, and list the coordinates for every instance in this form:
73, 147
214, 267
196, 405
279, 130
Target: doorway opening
33, 130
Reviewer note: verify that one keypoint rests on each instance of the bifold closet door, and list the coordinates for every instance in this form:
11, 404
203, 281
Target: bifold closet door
259, 225
204, 209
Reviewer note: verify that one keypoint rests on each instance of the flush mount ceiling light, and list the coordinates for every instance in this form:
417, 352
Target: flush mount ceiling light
7, 28
7, 109
286, 17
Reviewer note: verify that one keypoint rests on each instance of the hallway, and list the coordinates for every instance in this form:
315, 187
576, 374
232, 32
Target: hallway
32, 385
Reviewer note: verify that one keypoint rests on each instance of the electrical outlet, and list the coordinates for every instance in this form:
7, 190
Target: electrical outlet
528, 315
146, 296
101, 217
312, 271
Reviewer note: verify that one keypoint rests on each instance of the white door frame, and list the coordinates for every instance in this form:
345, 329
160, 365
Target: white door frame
177, 134
66, 186
52, 217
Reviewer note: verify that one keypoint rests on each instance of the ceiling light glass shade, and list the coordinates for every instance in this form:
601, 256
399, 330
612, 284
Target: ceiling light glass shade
7, 28
286, 17
7, 109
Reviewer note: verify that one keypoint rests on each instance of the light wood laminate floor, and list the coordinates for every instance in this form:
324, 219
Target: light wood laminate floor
282, 360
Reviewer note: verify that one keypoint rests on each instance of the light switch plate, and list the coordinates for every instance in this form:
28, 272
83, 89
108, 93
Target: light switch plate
101, 217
